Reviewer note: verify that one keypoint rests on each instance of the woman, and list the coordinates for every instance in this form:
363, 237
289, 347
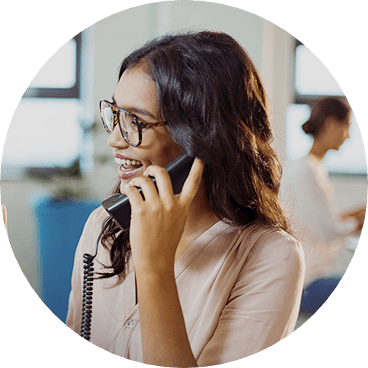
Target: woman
210, 275
308, 193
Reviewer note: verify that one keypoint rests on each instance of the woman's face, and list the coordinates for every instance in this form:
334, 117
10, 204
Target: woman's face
337, 132
137, 93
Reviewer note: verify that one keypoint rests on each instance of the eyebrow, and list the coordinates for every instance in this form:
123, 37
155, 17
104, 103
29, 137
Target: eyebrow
136, 110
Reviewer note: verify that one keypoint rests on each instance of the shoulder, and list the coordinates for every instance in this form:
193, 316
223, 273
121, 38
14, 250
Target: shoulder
92, 229
97, 218
293, 169
272, 247
298, 176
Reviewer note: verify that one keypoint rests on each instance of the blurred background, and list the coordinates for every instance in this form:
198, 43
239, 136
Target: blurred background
57, 167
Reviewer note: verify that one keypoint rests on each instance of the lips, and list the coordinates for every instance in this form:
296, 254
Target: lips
127, 167
128, 164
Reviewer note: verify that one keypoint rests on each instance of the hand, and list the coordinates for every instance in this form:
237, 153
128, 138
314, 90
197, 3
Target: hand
157, 221
358, 214
360, 218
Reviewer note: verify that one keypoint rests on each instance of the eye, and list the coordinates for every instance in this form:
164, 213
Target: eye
129, 121
138, 122
136, 119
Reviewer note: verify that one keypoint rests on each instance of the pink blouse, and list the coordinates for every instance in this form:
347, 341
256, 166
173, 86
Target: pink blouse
239, 290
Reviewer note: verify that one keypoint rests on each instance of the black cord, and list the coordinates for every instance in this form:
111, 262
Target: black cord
88, 288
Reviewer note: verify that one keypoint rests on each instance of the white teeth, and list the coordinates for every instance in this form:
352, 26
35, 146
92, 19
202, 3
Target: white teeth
126, 162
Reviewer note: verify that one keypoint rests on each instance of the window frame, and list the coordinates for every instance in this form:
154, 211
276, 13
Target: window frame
73, 92
77, 93
301, 99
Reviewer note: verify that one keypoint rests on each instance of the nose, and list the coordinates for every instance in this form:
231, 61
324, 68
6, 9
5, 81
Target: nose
116, 139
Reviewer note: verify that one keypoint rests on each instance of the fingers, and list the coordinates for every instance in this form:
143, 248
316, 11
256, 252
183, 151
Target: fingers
135, 197
163, 181
193, 181
147, 190
163, 189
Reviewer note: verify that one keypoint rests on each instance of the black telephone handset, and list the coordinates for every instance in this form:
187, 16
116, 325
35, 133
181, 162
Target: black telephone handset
118, 205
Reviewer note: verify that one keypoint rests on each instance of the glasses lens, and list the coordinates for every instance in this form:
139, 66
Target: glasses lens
107, 116
129, 127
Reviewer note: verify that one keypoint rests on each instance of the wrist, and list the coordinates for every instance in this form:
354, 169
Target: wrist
154, 270
152, 285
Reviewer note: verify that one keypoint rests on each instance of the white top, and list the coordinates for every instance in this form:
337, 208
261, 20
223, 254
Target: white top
239, 290
310, 201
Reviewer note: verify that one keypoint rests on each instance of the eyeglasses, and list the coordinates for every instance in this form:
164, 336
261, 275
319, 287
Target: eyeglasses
130, 125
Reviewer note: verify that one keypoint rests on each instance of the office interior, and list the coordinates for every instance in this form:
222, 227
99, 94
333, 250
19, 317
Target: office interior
78, 140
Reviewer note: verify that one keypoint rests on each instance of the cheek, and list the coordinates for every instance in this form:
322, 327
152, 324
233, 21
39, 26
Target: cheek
167, 152
169, 148
344, 134
340, 138
161, 150
172, 152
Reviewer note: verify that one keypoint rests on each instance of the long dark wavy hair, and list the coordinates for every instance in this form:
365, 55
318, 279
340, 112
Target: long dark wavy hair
213, 100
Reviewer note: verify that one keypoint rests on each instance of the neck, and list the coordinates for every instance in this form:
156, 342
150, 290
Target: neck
200, 218
318, 150
201, 215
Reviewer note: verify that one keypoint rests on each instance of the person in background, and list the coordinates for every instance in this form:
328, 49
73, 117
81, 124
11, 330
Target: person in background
309, 196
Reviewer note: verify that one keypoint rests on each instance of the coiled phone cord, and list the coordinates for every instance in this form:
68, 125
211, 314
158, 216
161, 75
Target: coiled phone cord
88, 288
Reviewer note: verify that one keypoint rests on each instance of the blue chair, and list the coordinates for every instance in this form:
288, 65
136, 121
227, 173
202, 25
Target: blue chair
316, 294
59, 227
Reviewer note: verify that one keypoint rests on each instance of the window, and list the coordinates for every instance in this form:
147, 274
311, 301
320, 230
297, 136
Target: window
47, 130
66, 62
313, 81
312, 77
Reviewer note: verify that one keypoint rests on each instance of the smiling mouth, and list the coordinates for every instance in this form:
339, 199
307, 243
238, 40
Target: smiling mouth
128, 165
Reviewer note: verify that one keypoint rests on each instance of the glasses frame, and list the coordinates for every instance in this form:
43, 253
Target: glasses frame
140, 124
